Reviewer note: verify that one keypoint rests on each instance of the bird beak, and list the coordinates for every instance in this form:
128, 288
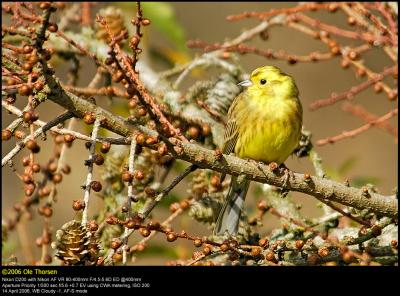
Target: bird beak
245, 83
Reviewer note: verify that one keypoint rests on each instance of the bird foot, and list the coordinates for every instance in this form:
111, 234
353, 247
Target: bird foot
274, 167
287, 175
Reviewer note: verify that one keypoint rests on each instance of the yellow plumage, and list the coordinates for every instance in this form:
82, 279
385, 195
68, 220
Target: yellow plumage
264, 124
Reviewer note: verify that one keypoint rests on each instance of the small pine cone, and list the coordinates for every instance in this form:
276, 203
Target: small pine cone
76, 245
221, 95
199, 184
205, 210
115, 21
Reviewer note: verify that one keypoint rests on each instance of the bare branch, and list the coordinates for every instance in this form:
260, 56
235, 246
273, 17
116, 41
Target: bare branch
59, 119
89, 177
361, 129
205, 158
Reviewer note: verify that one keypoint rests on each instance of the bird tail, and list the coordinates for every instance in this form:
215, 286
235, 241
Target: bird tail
228, 218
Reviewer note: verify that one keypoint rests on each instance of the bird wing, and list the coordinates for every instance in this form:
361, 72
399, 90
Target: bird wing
230, 137
231, 130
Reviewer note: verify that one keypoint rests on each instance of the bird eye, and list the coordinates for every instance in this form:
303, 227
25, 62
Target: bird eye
263, 81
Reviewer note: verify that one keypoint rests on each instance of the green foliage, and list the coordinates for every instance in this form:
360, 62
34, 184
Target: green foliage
343, 170
347, 165
179, 166
163, 19
8, 247
258, 192
364, 180
160, 250
171, 198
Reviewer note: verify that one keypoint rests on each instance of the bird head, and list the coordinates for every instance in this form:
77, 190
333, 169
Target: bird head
270, 80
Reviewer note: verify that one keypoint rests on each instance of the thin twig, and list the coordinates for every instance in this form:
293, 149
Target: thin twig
190, 263
272, 12
81, 49
320, 172
213, 57
89, 177
60, 162
165, 223
129, 197
268, 53
328, 205
359, 111
17, 122
360, 66
145, 97
357, 131
210, 111
61, 131
365, 36
144, 212
61, 118
87, 91
347, 95
344, 213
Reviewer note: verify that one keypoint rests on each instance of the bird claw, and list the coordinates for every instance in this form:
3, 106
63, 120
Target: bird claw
286, 179
273, 166
287, 175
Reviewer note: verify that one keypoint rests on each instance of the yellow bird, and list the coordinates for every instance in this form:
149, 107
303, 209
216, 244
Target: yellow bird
264, 124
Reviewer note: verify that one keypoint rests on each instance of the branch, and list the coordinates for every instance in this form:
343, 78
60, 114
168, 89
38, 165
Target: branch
130, 197
344, 213
206, 159
60, 131
355, 132
267, 53
359, 111
150, 206
370, 233
365, 36
59, 119
272, 12
145, 97
314, 186
347, 95
328, 205
166, 223
88, 184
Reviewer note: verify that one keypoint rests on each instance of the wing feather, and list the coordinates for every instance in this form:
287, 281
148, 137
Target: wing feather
230, 137
231, 130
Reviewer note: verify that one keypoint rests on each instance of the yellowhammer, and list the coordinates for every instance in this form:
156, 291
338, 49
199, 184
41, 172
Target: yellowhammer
264, 124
